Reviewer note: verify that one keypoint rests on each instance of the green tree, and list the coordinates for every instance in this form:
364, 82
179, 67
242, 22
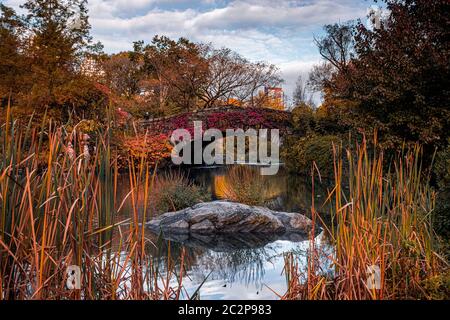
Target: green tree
58, 45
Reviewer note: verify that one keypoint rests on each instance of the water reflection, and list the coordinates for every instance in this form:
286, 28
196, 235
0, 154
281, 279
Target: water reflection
245, 184
251, 271
283, 191
232, 242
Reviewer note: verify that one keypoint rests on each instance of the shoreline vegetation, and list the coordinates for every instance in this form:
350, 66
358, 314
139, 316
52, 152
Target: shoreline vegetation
66, 213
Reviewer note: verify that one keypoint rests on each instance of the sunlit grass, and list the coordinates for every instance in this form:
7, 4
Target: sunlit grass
246, 185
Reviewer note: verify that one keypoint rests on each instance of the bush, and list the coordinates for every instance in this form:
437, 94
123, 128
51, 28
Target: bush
325, 120
441, 217
300, 153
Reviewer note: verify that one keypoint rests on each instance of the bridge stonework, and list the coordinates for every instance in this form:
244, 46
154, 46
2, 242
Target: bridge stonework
222, 118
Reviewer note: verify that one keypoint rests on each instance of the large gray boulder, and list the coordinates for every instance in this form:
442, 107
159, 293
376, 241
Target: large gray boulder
229, 217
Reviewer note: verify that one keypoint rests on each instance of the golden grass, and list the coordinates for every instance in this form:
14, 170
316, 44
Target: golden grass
245, 185
58, 210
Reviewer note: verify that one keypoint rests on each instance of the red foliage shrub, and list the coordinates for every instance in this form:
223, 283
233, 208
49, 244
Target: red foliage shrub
151, 148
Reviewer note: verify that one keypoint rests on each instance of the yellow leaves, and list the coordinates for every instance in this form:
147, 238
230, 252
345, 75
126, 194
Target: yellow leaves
271, 101
88, 126
235, 102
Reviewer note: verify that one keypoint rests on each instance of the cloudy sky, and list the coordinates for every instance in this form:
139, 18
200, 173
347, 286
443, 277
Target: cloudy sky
279, 32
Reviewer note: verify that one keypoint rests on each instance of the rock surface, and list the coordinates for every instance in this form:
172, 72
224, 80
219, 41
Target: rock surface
224, 217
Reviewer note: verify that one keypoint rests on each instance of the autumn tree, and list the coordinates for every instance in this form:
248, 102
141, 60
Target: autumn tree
262, 75
231, 76
320, 77
191, 75
392, 77
122, 74
177, 68
269, 101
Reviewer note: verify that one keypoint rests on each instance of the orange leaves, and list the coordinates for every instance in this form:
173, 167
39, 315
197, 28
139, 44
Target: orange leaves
149, 148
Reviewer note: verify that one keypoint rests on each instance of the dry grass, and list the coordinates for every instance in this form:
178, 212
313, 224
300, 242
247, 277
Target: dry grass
246, 185
58, 210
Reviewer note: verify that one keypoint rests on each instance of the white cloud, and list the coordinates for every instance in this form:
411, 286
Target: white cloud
241, 14
291, 70
238, 17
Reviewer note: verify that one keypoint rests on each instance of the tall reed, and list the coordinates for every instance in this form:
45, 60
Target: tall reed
380, 221
59, 207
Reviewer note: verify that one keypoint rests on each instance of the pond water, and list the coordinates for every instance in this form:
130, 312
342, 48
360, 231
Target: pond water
226, 271
244, 266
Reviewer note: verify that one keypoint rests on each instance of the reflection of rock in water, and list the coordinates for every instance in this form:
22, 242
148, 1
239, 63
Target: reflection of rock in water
232, 242
246, 265
232, 258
